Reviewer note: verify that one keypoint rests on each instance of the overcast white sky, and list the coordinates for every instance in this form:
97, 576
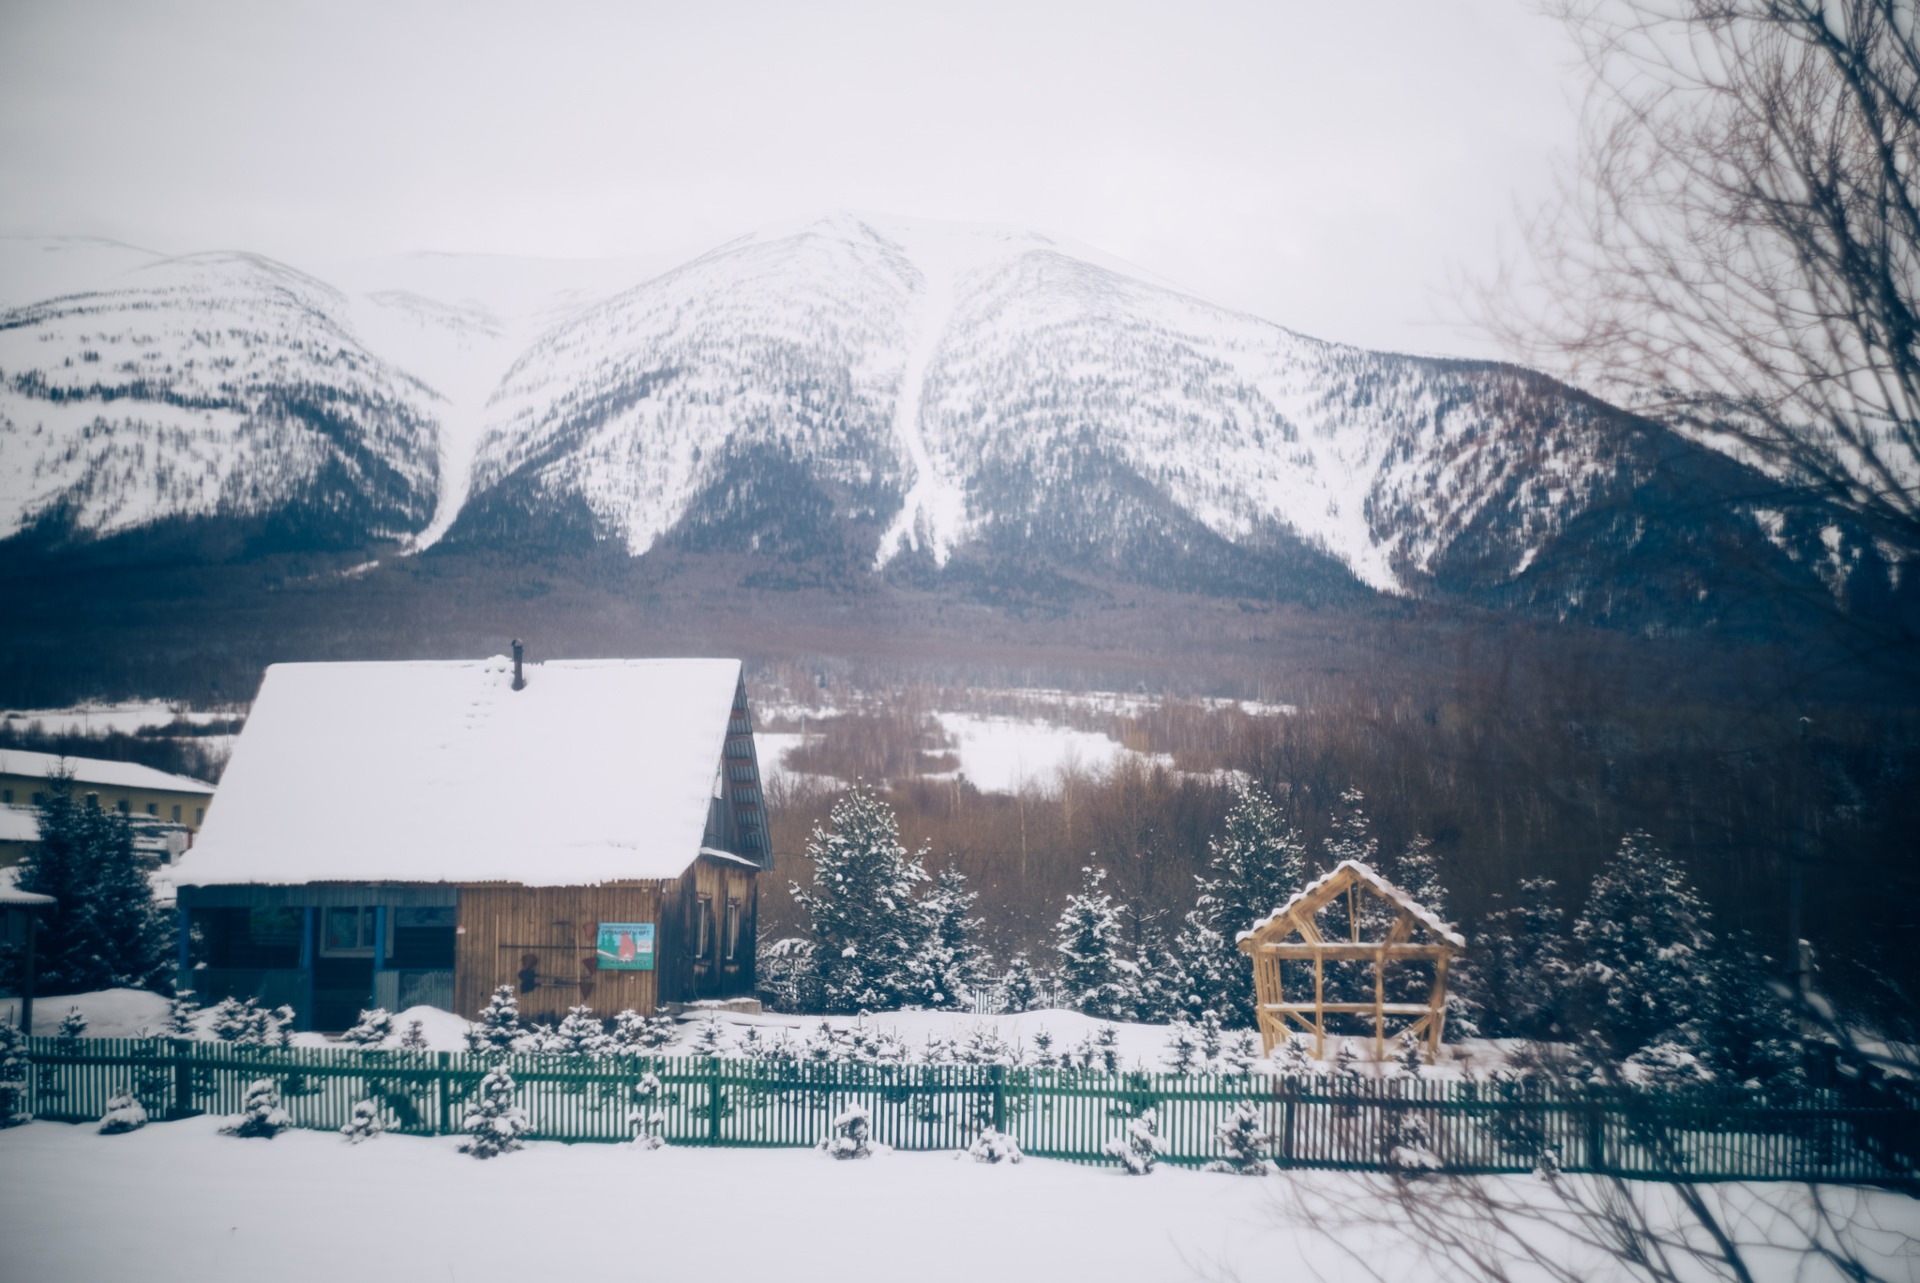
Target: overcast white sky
1325, 165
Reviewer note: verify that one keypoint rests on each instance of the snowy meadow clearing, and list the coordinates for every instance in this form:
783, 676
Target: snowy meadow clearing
182, 1201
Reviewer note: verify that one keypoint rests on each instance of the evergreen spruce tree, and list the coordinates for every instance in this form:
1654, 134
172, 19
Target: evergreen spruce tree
1087, 937
72, 1025
1647, 946
260, 1114
869, 930
181, 1010
1746, 1028
709, 1038
109, 933
638, 1035
13, 1076
493, 1123
1182, 1052
371, 1030
1407, 1060
499, 1025
954, 964
1352, 839
1020, 987
1292, 1059
1515, 979
1043, 1053
1139, 1147
994, 1146
414, 1037
1257, 863
581, 1033
1242, 1053
1243, 1144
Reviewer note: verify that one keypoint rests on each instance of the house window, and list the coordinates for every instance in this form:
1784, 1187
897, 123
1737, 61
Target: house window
731, 940
39, 799
349, 932
6, 797
199, 814
703, 928
153, 808
124, 806
176, 813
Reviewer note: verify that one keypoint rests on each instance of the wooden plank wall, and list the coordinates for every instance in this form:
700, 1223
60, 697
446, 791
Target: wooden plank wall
502, 928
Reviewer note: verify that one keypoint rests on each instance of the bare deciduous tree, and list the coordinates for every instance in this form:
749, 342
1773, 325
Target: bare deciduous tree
1737, 250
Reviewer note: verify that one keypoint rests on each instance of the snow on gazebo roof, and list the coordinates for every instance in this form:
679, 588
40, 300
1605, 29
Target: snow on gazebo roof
597, 771
1400, 899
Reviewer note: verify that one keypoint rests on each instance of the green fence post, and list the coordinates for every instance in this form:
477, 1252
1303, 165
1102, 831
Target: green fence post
998, 1073
713, 1100
444, 1059
1596, 1137
182, 1077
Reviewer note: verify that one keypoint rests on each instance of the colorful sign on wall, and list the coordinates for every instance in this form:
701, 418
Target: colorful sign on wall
626, 946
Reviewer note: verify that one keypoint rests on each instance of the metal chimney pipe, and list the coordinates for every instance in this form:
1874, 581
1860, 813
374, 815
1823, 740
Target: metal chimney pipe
519, 680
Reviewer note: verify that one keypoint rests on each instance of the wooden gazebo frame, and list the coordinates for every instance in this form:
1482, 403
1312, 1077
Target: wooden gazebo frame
1414, 935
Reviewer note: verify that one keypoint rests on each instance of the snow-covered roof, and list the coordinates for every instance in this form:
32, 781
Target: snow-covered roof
18, 824
1401, 900
598, 771
11, 894
93, 770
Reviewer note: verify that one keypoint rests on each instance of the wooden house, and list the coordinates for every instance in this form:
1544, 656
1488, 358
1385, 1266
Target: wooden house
1412, 936
397, 834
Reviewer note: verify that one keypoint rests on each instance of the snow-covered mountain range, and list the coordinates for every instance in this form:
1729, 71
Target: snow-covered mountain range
909, 399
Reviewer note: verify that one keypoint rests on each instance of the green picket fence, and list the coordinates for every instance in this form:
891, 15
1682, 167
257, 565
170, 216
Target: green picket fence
1069, 1114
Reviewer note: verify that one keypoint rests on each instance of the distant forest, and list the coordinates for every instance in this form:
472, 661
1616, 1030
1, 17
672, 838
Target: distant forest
1521, 748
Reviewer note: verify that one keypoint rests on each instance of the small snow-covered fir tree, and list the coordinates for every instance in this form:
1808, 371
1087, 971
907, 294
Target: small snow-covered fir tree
279, 1027
1182, 1051
1043, 1056
1412, 1150
1256, 864
647, 1121
493, 1123
1646, 939
581, 1033
261, 1116
1352, 838
1212, 1039
498, 1027
852, 1129
638, 1035
1243, 1143
994, 1146
1139, 1147
1346, 1061
182, 1008
1746, 1029
1099, 1051
124, 1114
1407, 1060
372, 1029
1291, 1060
870, 932
983, 1045
1020, 986
72, 1025
823, 1044
709, 1038
939, 1049
1241, 1054
1670, 1063
13, 1076
1093, 975
248, 1024
365, 1123
414, 1036
1515, 979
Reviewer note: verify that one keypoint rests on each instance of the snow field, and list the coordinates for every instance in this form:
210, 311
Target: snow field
180, 1201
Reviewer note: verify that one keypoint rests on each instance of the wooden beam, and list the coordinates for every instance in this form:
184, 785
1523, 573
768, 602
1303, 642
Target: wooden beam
1351, 1008
1380, 1004
1342, 951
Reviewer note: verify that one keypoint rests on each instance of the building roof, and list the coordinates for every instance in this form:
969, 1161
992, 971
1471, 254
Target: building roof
598, 771
11, 894
19, 824
103, 774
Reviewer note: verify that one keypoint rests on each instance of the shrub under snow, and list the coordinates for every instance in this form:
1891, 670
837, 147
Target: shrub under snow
1243, 1144
1139, 1147
124, 1114
261, 1115
851, 1129
365, 1123
13, 1076
373, 1028
994, 1146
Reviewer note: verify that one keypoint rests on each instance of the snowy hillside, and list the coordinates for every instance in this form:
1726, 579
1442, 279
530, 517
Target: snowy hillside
873, 395
213, 385
914, 388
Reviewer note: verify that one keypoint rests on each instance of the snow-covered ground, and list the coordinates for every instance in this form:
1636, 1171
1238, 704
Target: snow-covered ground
98, 719
180, 1201
1001, 754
